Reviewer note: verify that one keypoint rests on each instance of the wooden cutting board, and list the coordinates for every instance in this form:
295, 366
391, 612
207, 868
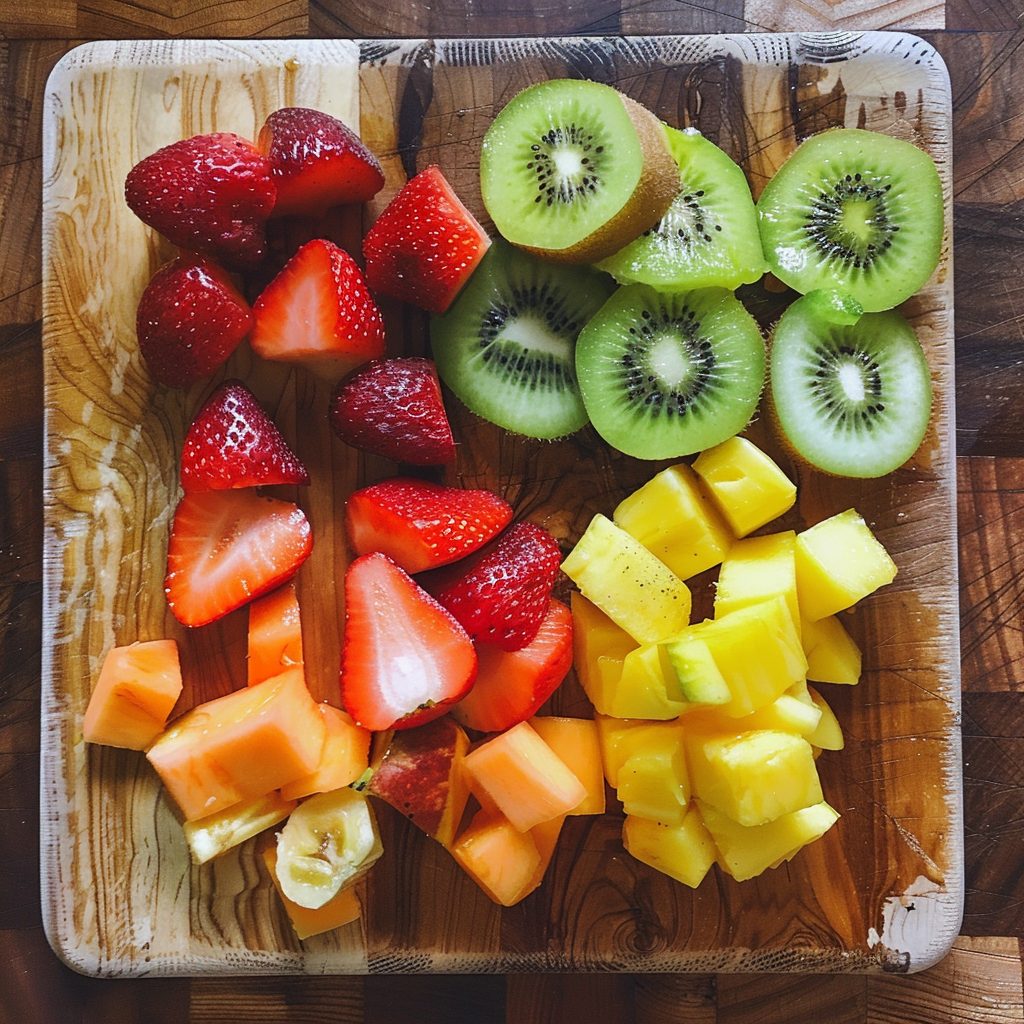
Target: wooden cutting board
882, 891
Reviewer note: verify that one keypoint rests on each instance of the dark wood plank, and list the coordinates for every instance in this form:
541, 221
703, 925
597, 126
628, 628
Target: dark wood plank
755, 999
559, 999
277, 1001
446, 999
676, 999
983, 15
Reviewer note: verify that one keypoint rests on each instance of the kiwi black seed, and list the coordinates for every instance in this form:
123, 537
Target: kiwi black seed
666, 374
506, 345
850, 399
573, 170
855, 211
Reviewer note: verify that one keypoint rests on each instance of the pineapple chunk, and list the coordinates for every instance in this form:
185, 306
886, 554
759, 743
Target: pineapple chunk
756, 569
622, 738
828, 735
653, 782
599, 647
685, 852
646, 687
673, 517
788, 713
632, 587
839, 561
698, 676
832, 654
747, 485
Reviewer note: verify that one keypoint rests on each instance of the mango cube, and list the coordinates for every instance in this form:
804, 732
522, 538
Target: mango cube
832, 654
756, 569
685, 851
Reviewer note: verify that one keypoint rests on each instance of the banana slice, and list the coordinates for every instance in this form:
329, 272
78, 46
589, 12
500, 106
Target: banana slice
328, 842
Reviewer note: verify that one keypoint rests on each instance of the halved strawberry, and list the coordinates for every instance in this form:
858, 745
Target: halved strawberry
425, 244
316, 161
228, 547
318, 310
501, 597
405, 660
394, 408
233, 443
190, 318
511, 686
209, 194
420, 524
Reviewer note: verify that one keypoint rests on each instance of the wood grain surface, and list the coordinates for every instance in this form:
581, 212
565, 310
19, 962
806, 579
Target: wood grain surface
980, 980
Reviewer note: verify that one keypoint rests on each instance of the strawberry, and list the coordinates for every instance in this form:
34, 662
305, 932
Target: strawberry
511, 686
425, 244
316, 161
189, 320
318, 309
502, 596
393, 408
210, 194
228, 547
233, 443
420, 524
405, 660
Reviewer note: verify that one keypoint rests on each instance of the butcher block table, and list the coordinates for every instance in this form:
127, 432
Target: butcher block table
979, 979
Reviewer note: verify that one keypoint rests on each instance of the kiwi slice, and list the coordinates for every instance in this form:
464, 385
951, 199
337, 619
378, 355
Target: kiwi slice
573, 170
855, 211
665, 374
506, 345
709, 235
851, 399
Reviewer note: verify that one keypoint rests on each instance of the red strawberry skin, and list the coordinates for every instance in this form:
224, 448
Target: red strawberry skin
227, 548
232, 442
318, 310
502, 597
394, 408
405, 660
209, 194
421, 525
190, 318
425, 244
511, 686
316, 161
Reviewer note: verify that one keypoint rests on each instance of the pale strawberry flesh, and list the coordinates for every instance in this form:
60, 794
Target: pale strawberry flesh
232, 442
405, 660
394, 408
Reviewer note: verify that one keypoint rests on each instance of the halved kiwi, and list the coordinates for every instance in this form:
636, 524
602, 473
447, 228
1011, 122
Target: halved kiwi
851, 399
709, 235
666, 374
506, 345
855, 211
573, 170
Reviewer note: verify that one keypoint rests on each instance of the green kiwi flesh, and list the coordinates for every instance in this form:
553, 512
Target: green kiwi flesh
506, 345
667, 374
856, 211
850, 399
709, 235
573, 170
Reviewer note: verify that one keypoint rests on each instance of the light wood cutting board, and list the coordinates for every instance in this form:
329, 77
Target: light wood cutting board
882, 891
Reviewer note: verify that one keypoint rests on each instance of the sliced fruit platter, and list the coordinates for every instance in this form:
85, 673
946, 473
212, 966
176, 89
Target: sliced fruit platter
464, 460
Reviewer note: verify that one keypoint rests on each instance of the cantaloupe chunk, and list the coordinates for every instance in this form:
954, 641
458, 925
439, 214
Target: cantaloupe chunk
215, 834
137, 688
241, 745
527, 780
275, 634
503, 860
341, 909
575, 741
344, 757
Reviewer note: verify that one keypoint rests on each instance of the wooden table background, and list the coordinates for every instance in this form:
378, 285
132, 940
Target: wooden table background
982, 42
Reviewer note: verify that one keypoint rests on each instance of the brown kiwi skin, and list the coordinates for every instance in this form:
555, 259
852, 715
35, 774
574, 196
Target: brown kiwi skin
654, 192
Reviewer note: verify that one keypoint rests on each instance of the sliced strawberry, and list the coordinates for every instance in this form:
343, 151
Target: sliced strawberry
502, 596
233, 443
318, 309
228, 547
210, 194
425, 244
316, 161
190, 318
422, 525
511, 686
405, 660
394, 408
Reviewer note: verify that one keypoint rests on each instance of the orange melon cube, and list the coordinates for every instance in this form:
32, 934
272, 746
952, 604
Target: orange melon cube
275, 634
137, 688
241, 745
500, 858
576, 742
527, 780
345, 756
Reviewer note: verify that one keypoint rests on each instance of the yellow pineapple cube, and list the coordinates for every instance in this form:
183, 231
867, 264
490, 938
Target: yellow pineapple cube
832, 654
652, 782
620, 739
828, 734
646, 687
839, 561
598, 649
756, 569
788, 713
697, 675
631, 586
674, 518
684, 852
747, 484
